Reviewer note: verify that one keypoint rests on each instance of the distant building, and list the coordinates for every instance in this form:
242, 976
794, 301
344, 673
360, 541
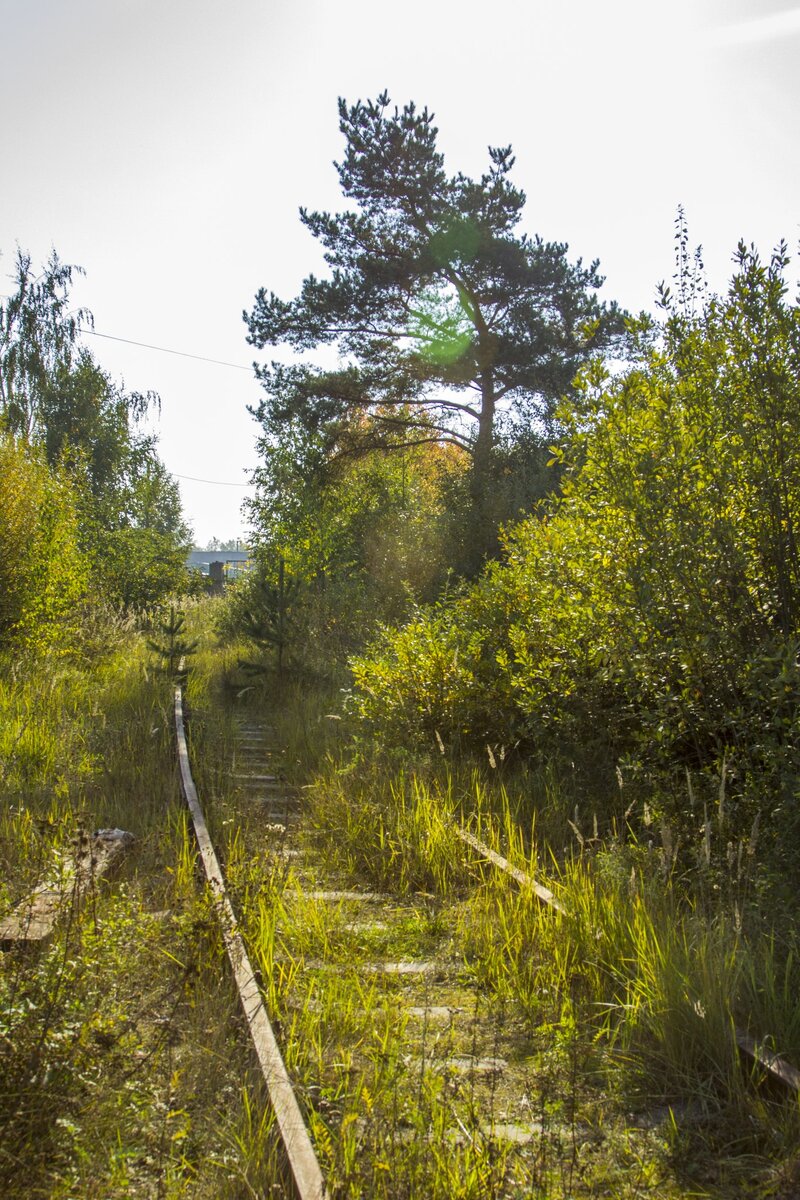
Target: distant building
220, 564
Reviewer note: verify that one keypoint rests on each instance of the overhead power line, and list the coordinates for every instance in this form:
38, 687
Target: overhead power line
181, 354
218, 482
166, 350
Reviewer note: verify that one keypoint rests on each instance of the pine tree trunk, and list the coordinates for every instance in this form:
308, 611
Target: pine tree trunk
482, 535
281, 613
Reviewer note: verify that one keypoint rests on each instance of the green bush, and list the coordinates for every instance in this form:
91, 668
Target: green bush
43, 573
651, 613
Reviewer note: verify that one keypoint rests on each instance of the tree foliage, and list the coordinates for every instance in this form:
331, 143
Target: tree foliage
449, 323
54, 396
43, 573
38, 338
359, 538
653, 612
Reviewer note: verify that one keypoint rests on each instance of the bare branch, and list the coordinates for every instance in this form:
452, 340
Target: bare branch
455, 407
387, 447
443, 430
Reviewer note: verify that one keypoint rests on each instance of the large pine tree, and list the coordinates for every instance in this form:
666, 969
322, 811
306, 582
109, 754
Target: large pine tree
446, 318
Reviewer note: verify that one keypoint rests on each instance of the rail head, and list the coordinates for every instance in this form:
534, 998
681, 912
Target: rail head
307, 1177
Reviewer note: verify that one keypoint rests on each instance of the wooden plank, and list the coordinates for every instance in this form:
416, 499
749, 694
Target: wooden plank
247, 778
775, 1066
340, 897
35, 917
768, 1061
303, 1164
522, 878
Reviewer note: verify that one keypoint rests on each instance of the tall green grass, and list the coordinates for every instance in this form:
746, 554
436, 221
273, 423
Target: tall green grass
124, 1069
632, 992
649, 974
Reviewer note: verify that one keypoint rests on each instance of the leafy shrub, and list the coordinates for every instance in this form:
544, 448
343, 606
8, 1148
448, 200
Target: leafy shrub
360, 538
43, 574
653, 611
436, 663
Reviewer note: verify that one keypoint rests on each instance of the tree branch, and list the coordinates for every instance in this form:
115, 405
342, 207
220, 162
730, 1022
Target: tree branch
407, 445
443, 430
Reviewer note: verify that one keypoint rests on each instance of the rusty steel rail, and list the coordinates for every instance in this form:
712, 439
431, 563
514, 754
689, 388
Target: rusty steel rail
758, 1052
306, 1173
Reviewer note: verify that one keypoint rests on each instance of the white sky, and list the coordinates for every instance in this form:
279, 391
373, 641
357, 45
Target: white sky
166, 145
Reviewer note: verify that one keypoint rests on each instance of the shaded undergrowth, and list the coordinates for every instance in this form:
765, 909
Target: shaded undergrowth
661, 953
121, 1052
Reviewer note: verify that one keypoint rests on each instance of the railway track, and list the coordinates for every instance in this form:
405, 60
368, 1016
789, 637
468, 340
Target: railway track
375, 999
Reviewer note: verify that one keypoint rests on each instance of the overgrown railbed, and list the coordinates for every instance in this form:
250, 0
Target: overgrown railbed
639, 980
125, 1070
537, 1054
618, 1015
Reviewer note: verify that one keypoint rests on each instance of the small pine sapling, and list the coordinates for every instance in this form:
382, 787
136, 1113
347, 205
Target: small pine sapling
169, 643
